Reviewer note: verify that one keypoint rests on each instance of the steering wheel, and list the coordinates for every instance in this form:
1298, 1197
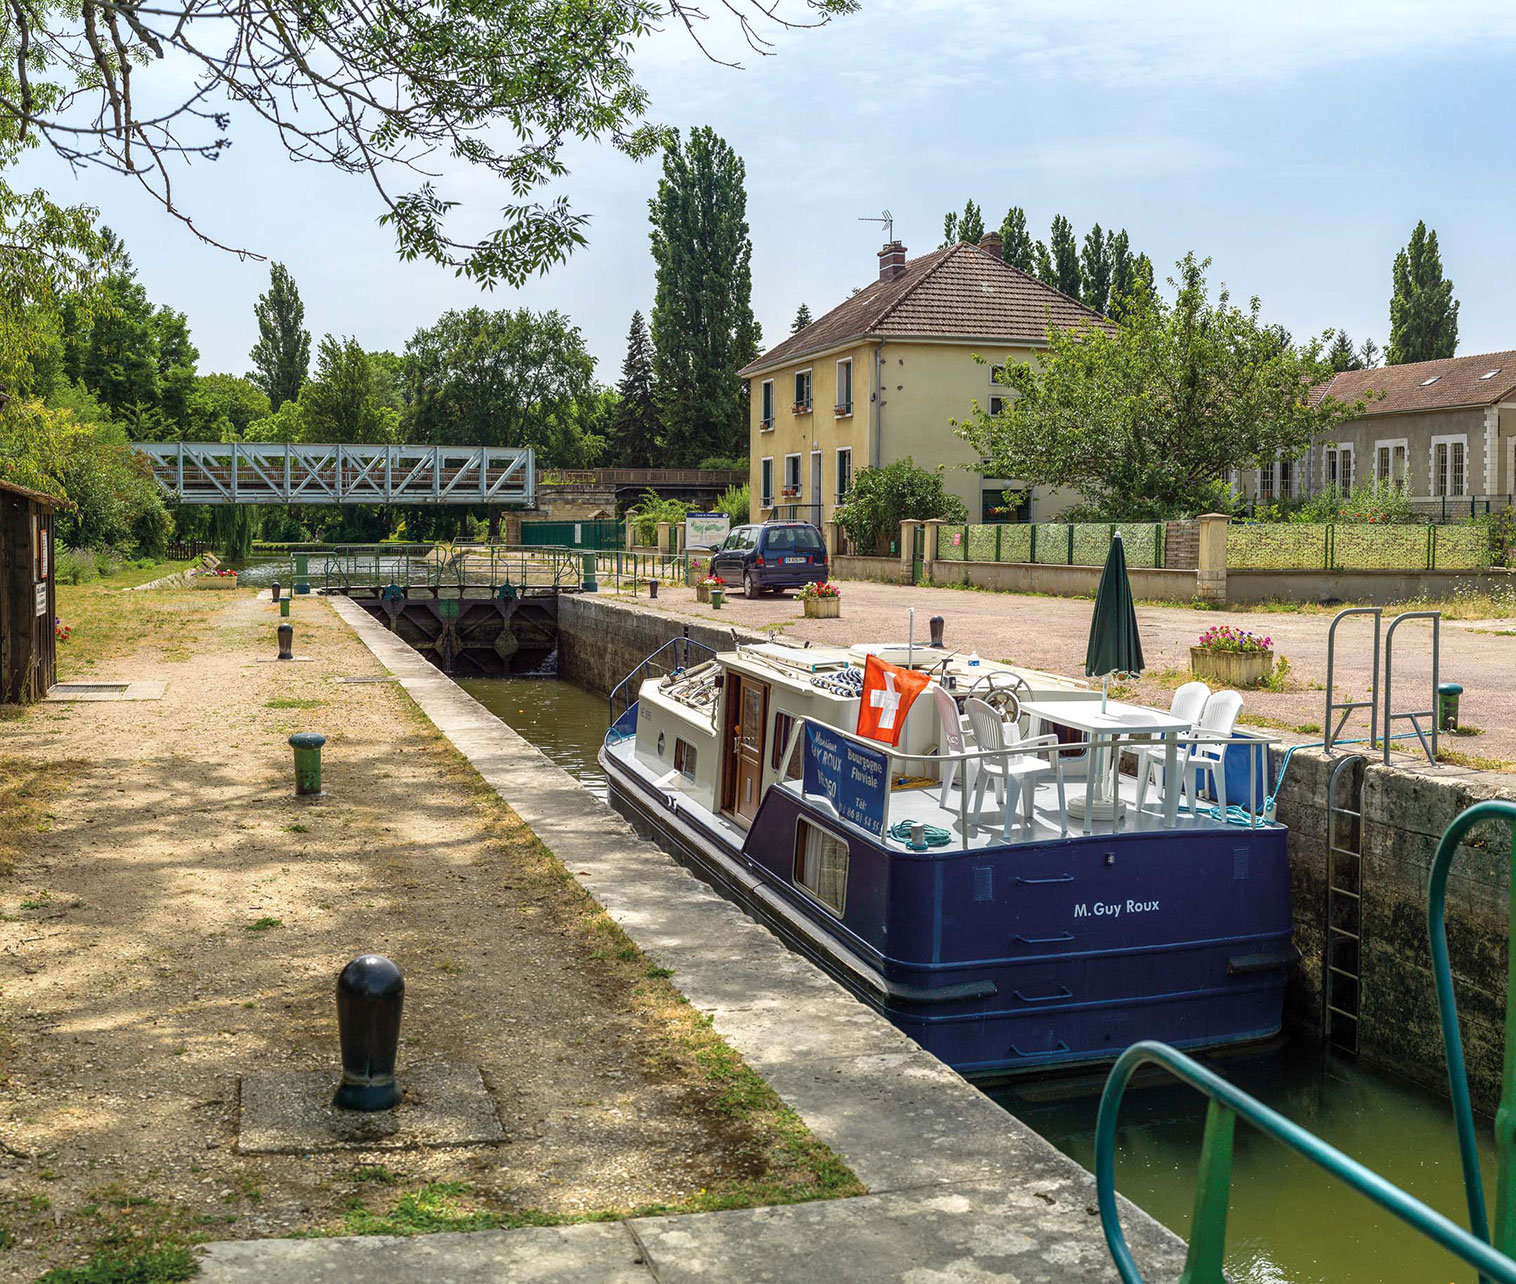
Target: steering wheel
1000, 690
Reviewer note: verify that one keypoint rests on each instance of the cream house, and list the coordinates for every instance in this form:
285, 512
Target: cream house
1446, 429
881, 375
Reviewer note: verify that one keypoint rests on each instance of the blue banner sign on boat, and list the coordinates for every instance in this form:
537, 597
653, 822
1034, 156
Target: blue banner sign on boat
855, 780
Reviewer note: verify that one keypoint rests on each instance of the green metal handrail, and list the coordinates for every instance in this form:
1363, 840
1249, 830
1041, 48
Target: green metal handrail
1204, 1260
1452, 1038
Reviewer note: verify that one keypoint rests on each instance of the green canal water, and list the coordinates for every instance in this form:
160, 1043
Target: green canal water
1289, 1224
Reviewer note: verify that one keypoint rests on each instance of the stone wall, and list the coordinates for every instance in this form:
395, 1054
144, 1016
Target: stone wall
884, 569
1404, 815
600, 642
1181, 545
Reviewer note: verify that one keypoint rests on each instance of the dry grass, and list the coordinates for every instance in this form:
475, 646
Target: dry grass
27, 791
108, 622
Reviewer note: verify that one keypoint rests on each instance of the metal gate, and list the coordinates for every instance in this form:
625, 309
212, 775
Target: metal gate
596, 533
918, 553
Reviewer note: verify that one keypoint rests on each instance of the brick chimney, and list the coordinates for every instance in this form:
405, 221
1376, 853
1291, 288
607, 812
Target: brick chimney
891, 261
990, 243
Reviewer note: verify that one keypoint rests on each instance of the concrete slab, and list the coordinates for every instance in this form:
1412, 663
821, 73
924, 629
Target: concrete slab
538, 1255
290, 1112
92, 692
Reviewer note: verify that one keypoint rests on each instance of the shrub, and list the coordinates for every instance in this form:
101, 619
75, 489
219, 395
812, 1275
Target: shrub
881, 498
1383, 503
737, 504
652, 509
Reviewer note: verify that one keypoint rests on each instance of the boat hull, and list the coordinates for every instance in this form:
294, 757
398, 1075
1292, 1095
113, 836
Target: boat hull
1023, 957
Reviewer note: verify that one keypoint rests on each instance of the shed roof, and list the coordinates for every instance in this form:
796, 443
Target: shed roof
956, 292
37, 496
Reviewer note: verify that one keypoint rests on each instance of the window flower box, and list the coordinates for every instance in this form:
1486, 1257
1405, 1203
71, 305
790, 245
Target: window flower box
801, 408
844, 410
765, 425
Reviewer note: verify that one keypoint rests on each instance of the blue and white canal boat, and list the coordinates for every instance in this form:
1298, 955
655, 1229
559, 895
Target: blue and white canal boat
1089, 910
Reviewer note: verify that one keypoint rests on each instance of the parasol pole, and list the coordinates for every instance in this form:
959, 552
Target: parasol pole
1105, 684
910, 638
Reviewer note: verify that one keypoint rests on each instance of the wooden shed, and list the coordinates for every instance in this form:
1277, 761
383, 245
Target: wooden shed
28, 606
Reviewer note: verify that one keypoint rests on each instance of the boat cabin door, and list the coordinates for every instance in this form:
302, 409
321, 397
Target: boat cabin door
747, 708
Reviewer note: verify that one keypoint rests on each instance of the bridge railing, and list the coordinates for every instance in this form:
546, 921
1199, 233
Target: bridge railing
438, 566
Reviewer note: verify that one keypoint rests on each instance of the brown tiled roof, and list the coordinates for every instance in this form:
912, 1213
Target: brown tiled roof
960, 291
1406, 391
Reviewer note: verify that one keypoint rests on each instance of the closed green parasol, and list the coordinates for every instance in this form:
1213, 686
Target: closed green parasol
1115, 645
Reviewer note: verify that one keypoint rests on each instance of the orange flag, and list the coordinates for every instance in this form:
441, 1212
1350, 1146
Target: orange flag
888, 691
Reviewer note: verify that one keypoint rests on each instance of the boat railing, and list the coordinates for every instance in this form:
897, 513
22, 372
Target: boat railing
672, 656
1226, 1104
1255, 745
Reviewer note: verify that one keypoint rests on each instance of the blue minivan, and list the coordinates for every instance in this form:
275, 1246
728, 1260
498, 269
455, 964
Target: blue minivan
774, 556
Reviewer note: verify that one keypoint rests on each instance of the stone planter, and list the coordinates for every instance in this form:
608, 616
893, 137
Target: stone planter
822, 608
702, 592
1232, 668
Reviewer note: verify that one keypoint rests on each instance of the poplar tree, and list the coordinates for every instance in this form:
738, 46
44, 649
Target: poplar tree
971, 223
1423, 311
703, 326
634, 424
802, 319
282, 356
949, 229
1016, 245
1095, 269
1065, 255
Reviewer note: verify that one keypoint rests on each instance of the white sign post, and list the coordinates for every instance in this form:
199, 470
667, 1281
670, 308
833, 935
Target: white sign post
705, 530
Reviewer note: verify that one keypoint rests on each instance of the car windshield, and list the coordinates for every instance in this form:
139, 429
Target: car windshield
784, 539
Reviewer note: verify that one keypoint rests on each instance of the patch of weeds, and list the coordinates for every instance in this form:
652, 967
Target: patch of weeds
140, 1241
437, 1206
146, 1265
657, 972
264, 924
1277, 679
292, 702
377, 1174
1472, 760
38, 902
1466, 729
297, 828
1279, 724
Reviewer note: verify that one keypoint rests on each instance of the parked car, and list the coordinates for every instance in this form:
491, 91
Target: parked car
773, 556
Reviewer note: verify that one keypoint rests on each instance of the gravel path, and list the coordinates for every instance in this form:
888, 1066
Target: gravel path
1051, 633
178, 918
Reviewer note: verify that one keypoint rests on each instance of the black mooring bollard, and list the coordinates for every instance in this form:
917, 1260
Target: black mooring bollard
286, 641
274, 591
936, 624
370, 992
652, 588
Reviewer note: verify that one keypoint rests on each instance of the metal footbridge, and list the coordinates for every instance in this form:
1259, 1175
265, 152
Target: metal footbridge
269, 472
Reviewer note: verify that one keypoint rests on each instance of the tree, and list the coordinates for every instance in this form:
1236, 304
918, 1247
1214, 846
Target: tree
1016, 246
113, 350
1147, 420
702, 327
634, 422
1131, 274
350, 399
176, 368
1341, 355
502, 88
971, 224
282, 356
1046, 272
949, 229
880, 498
223, 407
509, 378
1423, 311
1065, 256
1095, 269
802, 319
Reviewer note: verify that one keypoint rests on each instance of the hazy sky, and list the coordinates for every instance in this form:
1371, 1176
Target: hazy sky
1296, 143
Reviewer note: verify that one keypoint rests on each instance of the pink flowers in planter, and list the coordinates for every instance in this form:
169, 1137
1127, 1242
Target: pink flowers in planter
814, 592
1223, 637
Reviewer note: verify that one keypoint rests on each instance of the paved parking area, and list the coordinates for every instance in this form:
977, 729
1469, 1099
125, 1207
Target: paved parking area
1051, 633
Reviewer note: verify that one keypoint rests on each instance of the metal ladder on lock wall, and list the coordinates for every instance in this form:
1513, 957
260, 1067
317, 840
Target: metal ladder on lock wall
1342, 943
1382, 721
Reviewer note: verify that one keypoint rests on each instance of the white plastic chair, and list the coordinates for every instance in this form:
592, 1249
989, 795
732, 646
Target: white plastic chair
992, 733
953, 741
1217, 721
1187, 705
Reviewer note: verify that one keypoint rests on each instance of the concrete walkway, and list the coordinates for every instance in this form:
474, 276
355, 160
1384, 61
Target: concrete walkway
959, 1189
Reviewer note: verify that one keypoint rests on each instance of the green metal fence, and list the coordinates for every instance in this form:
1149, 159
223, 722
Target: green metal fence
600, 533
1050, 543
1493, 1257
1306, 546
438, 566
622, 568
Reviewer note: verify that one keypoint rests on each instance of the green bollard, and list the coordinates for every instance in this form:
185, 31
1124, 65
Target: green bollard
284, 607
307, 747
302, 574
589, 583
718, 595
1447, 705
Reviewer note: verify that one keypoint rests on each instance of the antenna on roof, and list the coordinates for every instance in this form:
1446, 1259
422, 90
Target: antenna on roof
888, 220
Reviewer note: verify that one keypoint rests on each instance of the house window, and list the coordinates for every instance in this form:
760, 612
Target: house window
1389, 461
821, 861
844, 472
766, 482
845, 386
997, 404
792, 476
1266, 482
684, 759
1339, 466
1449, 466
997, 376
802, 391
766, 422
1285, 486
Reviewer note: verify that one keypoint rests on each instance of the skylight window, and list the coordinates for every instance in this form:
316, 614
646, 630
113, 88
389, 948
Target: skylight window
1490, 374
1427, 383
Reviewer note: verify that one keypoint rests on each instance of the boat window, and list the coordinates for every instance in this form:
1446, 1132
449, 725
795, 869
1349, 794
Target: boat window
784, 725
752, 719
821, 864
684, 759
